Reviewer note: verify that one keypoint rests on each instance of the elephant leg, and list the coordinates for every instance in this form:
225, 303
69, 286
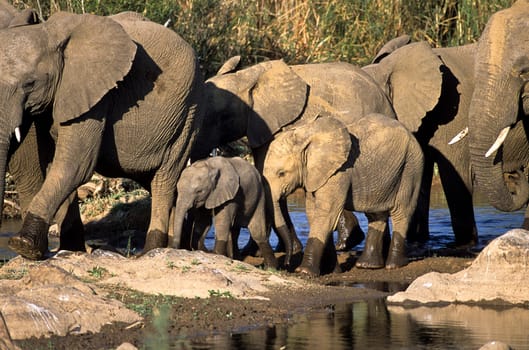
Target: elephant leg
397, 256
297, 247
163, 197
372, 256
76, 154
260, 232
233, 243
224, 222
323, 208
459, 200
350, 234
418, 231
71, 227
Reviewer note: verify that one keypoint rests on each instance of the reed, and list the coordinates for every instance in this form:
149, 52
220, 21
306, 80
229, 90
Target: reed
299, 31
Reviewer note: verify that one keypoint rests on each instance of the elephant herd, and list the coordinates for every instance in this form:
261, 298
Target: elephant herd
124, 97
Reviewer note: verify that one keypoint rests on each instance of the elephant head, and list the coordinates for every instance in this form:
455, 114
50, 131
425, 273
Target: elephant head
11, 17
305, 156
206, 183
43, 64
500, 100
255, 102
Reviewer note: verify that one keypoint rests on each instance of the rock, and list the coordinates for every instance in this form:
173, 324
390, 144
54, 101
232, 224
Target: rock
497, 276
129, 346
64, 295
495, 345
6, 343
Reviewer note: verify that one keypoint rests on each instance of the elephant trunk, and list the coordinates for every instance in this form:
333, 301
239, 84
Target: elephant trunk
494, 107
282, 229
181, 240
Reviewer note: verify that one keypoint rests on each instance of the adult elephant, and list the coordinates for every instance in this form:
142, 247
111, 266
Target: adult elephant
29, 160
499, 109
11, 17
258, 101
122, 99
431, 90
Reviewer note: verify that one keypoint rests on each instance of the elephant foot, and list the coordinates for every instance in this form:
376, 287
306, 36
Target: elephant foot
270, 260
373, 255
350, 233
251, 249
155, 239
32, 240
397, 253
311, 258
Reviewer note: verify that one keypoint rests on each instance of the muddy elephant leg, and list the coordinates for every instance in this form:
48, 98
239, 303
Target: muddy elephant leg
459, 200
350, 234
322, 215
372, 257
525, 224
75, 159
397, 256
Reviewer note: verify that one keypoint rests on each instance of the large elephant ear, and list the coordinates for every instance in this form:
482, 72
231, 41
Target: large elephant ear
278, 98
391, 46
98, 53
227, 182
230, 66
326, 150
412, 78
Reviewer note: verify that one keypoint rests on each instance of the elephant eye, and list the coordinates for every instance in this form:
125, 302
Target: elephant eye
280, 173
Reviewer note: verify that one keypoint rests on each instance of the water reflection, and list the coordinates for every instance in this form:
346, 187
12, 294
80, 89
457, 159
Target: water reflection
373, 325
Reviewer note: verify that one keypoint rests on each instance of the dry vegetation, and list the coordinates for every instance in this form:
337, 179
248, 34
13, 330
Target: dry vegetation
298, 31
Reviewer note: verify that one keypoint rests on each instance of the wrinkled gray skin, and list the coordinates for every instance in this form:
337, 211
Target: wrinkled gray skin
501, 100
231, 191
29, 159
431, 90
258, 101
339, 168
136, 120
11, 17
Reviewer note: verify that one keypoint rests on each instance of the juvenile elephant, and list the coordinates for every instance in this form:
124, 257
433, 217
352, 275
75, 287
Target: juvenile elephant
372, 166
231, 191
121, 96
258, 101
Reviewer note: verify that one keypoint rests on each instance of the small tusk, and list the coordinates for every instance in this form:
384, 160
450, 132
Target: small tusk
459, 136
499, 141
166, 24
17, 134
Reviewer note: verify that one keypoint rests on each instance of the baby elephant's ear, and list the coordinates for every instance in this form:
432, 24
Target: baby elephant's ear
227, 182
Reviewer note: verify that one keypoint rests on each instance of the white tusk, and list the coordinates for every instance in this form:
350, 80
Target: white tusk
499, 141
459, 136
17, 134
166, 24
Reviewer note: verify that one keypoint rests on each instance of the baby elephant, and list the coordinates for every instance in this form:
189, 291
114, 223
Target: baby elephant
231, 190
373, 166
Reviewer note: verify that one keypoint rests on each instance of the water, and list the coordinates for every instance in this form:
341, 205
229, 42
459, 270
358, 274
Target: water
372, 324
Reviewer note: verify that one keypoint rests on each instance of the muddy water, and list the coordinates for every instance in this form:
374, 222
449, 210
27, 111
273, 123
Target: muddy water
372, 324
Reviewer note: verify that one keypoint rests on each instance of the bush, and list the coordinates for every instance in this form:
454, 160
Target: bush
299, 31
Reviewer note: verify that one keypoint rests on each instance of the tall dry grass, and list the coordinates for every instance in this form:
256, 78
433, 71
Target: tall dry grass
298, 31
